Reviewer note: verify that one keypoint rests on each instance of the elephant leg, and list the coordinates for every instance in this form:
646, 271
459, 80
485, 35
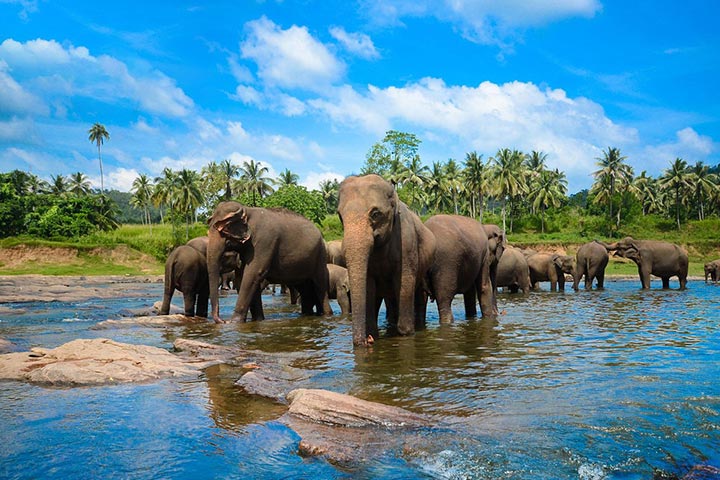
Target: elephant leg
644, 277
344, 301
665, 283
683, 281
470, 301
202, 303
600, 279
421, 298
249, 287
406, 305
561, 282
373, 309
256, 308
294, 295
189, 300
167, 298
307, 298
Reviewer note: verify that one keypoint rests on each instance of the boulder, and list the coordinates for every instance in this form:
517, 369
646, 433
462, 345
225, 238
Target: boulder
94, 362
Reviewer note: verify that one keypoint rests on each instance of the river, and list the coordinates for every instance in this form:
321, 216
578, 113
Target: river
613, 384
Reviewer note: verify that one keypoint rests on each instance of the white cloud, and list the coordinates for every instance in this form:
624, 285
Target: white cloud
283, 147
689, 145
142, 126
118, 178
14, 99
313, 179
27, 7
18, 130
290, 58
55, 71
483, 21
358, 44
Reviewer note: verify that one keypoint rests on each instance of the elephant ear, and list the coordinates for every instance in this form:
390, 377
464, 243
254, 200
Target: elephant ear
557, 260
233, 226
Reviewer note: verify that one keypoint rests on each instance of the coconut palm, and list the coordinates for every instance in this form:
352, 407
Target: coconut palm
453, 183
98, 134
676, 179
36, 185
79, 184
614, 174
286, 178
162, 195
187, 196
508, 178
142, 190
477, 182
228, 173
58, 184
645, 191
549, 190
329, 191
414, 177
704, 185
436, 188
254, 180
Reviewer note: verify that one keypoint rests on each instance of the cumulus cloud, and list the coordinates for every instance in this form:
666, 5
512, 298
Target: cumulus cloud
313, 180
15, 99
358, 44
688, 145
57, 71
118, 178
483, 21
290, 58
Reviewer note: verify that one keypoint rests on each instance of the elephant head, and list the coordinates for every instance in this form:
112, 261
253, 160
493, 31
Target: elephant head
565, 263
496, 240
628, 248
368, 210
228, 231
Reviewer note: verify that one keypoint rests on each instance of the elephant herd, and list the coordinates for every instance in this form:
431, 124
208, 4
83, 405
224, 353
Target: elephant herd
387, 255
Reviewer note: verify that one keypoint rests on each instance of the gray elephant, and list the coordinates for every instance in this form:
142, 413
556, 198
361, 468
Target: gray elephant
230, 262
388, 252
274, 245
496, 246
654, 257
339, 287
513, 272
590, 262
461, 265
186, 270
550, 267
335, 254
712, 270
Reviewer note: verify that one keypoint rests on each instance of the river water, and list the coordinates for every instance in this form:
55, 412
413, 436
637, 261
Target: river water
615, 384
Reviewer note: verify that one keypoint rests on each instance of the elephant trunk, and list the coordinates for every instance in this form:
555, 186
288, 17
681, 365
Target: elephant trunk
358, 243
215, 250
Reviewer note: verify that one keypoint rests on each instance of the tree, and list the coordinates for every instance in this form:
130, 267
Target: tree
549, 191
414, 177
187, 196
142, 190
476, 178
508, 179
79, 184
286, 178
453, 182
534, 167
297, 198
646, 192
387, 158
58, 185
228, 172
98, 135
255, 181
436, 187
377, 160
704, 185
162, 195
329, 191
614, 174
677, 180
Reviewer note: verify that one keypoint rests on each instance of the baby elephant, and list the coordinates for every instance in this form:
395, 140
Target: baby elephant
186, 270
339, 287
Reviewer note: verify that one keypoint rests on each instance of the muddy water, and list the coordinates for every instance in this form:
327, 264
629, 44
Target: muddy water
614, 384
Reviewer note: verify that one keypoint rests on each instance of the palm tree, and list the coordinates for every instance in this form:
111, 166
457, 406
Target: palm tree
508, 178
414, 177
453, 182
677, 180
436, 188
549, 191
162, 193
329, 190
534, 167
58, 184
228, 171
645, 191
79, 184
142, 190
704, 184
476, 178
36, 185
98, 135
614, 174
286, 178
187, 196
254, 179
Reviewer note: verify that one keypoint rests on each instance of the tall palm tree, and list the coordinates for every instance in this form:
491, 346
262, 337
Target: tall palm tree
508, 178
58, 184
187, 196
436, 187
613, 173
98, 135
535, 165
329, 190
36, 185
549, 191
142, 191
453, 183
676, 179
704, 184
162, 195
414, 177
476, 178
645, 191
286, 178
79, 184
254, 179
229, 172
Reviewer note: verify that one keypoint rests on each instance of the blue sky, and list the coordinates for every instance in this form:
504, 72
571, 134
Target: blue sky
311, 85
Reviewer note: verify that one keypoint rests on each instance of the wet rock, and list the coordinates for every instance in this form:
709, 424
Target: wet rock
273, 382
150, 321
94, 362
6, 346
208, 352
150, 311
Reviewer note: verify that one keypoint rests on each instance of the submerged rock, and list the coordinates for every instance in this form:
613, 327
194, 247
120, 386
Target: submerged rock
150, 321
94, 362
6, 346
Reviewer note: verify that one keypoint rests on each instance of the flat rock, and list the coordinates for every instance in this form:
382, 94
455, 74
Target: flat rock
46, 288
94, 362
6, 346
150, 321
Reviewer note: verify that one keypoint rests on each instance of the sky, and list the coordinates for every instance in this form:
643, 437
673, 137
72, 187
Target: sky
310, 85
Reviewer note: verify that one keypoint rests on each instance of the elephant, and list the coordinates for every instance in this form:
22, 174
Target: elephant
462, 265
513, 271
276, 245
591, 260
547, 267
186, 270
654, 257
339, 287
335, 254
496, 246
388, 252
712, 269
230, 262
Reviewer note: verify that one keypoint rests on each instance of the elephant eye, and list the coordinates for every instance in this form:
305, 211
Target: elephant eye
375, 215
